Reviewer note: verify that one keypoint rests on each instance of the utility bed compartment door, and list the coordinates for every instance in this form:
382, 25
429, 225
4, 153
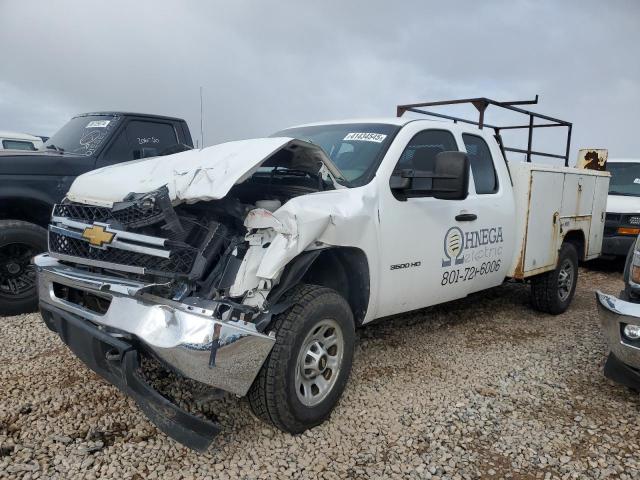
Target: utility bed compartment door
545, 200
597, 220
578, 195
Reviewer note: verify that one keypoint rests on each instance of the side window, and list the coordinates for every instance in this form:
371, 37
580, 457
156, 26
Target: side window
153, 136
420, 153
18, 145
484, 173
118, 151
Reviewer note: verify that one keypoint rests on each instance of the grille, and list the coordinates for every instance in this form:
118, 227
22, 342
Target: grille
181, 260
132, 216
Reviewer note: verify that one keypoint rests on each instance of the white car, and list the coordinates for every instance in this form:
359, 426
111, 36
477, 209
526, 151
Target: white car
19, 141
247, 265
622, 224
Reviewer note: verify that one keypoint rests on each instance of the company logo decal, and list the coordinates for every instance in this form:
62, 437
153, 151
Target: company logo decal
97, 236
453, 247
464, 247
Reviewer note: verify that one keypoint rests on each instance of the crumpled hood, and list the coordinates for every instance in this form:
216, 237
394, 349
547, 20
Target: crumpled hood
194, 175
623, 204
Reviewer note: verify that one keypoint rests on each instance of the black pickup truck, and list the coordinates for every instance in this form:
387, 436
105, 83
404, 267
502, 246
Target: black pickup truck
32, 182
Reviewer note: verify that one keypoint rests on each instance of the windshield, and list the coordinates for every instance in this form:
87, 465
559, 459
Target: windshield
355, 148
82, 135
625, 178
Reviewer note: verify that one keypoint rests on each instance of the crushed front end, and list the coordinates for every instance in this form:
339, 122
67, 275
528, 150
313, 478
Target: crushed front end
144, 278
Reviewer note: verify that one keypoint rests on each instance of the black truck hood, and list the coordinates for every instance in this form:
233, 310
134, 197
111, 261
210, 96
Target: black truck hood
14, 162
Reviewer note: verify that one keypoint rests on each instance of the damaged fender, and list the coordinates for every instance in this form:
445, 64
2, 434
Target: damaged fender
322, 220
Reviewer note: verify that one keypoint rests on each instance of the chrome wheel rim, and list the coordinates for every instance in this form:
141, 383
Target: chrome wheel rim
319, 362
565, 279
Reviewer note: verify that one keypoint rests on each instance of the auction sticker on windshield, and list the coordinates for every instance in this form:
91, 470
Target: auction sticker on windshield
98, 124
365, 137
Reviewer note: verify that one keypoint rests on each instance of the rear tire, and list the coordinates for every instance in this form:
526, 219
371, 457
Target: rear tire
552, 292
309, 365
19, 243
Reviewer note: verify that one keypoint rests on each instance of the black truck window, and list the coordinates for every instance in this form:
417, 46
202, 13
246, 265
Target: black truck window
484, 173
150, 138
420, 153
118, 151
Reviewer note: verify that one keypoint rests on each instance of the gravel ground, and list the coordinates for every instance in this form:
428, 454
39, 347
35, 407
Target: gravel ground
484, 387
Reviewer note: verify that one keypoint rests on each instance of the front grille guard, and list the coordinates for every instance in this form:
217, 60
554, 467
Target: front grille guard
135, 211
134, 216
180, 262
128, 251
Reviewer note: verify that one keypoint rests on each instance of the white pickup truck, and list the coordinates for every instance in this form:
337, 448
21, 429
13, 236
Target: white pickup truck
247, 265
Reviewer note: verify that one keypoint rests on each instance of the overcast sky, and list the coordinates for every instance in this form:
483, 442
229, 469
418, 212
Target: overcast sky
268, 65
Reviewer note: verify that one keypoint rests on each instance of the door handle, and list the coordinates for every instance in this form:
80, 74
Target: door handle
466, 217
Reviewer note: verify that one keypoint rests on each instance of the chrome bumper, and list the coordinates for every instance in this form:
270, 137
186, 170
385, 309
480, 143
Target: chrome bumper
615, 314
222, 353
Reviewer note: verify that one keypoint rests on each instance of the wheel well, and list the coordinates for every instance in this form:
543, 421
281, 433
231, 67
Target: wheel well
345, 270
26, 209
576, 238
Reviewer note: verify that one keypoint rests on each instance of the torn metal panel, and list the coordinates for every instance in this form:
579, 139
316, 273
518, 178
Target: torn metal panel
333, 218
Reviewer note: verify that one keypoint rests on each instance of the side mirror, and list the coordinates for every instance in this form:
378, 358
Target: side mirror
145, 152
399, 182
448, 181
451, 176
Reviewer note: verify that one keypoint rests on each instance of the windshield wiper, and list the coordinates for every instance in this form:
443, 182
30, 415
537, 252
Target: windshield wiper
51, 146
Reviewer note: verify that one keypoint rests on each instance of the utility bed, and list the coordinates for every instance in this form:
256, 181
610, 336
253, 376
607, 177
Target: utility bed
550, 201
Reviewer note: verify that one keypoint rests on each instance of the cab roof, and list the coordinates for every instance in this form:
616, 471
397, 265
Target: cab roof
399, 121
129, 114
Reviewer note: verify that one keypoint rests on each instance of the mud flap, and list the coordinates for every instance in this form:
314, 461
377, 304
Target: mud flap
117, 361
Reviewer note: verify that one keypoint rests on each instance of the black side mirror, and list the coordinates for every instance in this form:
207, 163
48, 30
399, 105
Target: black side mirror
448, 181
145, 152
451, 176
399, 182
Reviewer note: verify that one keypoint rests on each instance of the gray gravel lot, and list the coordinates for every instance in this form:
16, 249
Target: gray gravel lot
484, 387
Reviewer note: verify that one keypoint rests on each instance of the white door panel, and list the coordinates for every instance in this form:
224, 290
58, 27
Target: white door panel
427, 256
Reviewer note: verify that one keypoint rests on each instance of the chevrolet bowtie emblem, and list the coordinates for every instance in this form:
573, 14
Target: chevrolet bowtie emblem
97, 235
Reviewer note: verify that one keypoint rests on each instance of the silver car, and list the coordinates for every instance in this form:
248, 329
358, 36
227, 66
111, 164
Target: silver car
620, 319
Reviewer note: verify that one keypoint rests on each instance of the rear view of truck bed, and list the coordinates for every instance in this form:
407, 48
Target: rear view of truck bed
554, 204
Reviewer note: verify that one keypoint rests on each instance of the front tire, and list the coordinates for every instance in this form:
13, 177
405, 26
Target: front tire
19, 243
309, 365
552, 292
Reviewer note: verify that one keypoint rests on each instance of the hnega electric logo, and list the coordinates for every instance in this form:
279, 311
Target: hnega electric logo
471, 246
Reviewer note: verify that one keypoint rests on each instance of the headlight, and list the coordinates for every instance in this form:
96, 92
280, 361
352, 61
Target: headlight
632, 332
634, 221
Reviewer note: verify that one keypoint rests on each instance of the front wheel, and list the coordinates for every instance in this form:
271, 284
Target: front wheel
309, 365
19, 242
552, 292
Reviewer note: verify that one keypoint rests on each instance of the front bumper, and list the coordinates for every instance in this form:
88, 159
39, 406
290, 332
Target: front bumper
617, 245
199, 342
117, 361
623, 365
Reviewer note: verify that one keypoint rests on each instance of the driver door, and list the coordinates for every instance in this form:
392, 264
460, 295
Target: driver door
421, 238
